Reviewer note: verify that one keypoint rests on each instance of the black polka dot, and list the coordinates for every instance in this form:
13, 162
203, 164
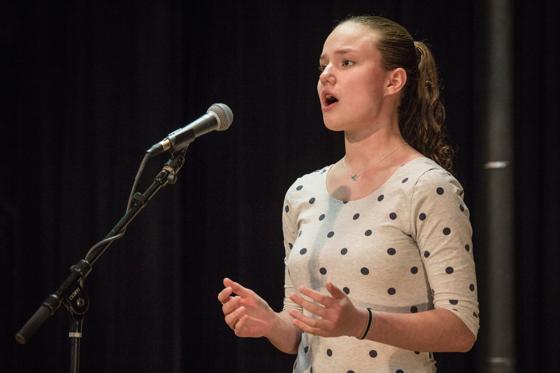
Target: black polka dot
393, 216
417, 352
475, 315
422, 216
439, 191
303, 251
453, 301
399, 371
299, 187
426, 254
446, 231
323, 270
471, 287
323, 170
291, 246
373, 353
461, 208
449, 270
312, 200
391, 251
305, 349
350, 371
404, 180
414, 270
344, 251
364, 271
345, 202
287, 209
330, 234
391, 291
356, 216
413, 309
321, 217
368, 232
380, 198
346, 290
467, 247
329, 352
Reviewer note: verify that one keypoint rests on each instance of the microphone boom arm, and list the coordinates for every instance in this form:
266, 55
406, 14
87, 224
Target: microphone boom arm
71, 292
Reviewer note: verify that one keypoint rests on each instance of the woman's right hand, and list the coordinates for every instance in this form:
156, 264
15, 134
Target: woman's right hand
246, 313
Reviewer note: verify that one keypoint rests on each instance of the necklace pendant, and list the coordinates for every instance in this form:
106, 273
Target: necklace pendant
354, 177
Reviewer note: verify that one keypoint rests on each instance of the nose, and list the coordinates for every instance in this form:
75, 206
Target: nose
326, 75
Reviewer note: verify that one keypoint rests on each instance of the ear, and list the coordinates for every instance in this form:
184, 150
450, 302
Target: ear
396, 79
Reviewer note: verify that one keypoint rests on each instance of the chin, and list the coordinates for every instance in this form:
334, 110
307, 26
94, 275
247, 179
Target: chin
333, 125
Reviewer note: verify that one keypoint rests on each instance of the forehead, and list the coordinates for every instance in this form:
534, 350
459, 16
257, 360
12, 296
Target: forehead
351, 36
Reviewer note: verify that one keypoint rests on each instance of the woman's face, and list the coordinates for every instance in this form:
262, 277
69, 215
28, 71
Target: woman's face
352, 81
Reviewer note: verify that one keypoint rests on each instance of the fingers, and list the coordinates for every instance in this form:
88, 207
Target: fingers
225, 295
332, 311
305, 319
236, 287
228, 301
248, 326
231, 287
316, 296
239, 327
233, 318
309, 306
245, 312
335, 292
231, 305
306, 324
245, 325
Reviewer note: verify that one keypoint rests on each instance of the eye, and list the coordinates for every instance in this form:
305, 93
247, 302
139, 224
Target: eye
347, 63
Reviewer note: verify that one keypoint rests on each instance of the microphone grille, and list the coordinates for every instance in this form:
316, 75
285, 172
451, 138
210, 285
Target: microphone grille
225, 115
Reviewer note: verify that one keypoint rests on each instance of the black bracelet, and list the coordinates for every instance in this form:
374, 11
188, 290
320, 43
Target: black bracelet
370, 317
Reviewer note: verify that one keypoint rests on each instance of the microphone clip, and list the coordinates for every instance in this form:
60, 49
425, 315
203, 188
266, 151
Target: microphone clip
174, 164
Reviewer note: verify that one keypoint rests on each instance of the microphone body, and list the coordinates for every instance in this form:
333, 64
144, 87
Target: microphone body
218, 117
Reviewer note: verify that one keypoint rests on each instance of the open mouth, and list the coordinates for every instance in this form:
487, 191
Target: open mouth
330, 99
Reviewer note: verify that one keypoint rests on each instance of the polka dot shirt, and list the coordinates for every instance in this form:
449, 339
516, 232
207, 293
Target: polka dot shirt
405, 248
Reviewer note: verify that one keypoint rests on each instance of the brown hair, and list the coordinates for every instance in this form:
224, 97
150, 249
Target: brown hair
421, 112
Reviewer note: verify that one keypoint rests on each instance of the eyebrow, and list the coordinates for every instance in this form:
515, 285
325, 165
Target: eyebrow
340, 51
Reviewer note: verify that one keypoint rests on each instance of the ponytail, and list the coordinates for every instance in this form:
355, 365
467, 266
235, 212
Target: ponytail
422, 114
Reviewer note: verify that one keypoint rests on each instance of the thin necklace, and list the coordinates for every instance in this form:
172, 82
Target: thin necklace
356, 176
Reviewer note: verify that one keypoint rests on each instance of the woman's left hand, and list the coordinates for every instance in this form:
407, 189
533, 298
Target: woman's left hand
337, 316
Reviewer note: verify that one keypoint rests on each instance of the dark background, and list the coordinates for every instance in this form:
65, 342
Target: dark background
88, 86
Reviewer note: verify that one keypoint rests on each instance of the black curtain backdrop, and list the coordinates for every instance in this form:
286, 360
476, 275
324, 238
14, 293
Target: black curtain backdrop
88, 86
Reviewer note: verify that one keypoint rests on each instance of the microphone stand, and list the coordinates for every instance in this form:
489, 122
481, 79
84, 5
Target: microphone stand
71, 292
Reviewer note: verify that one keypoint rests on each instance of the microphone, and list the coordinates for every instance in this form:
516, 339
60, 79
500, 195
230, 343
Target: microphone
218, 117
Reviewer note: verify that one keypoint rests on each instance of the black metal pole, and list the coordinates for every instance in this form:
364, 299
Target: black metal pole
75, 336
496, 192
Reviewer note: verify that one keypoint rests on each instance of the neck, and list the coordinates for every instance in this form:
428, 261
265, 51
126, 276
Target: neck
371, 144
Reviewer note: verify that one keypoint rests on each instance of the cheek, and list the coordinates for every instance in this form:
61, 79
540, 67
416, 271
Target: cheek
367, 91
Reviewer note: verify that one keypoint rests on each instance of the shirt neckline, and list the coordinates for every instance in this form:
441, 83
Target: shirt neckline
373, 192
